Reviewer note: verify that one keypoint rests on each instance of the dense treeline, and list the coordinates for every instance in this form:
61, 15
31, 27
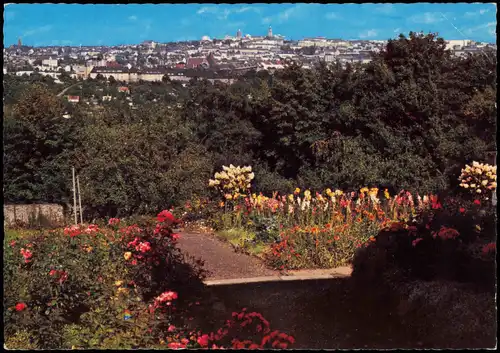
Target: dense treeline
409, 119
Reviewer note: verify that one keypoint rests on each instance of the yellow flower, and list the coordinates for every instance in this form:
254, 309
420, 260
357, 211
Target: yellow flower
297, 191
363, 190
228, 196
122, 290
118, 283
338, 192
466, 186
307, 195
386, 194
329, 192
127, 255
484, 182
290, 197
478, 191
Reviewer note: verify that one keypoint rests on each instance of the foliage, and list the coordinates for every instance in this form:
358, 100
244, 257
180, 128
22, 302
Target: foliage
451, 242
409, 119
86, 277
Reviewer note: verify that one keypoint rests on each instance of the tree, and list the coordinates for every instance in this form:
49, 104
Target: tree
38, 144
166, 79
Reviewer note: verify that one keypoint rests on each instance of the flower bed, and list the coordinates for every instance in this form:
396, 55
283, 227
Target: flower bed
113, 287
317, 230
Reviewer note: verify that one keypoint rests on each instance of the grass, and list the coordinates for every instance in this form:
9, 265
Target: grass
243, 240
15, 234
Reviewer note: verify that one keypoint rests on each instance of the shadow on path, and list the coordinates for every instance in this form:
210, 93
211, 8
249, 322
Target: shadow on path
330, 314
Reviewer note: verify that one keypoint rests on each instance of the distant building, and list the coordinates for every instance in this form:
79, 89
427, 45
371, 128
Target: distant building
19, 43
238, 34
270, 32
124, 89
73, 99
195, 62
457, 44
51, 63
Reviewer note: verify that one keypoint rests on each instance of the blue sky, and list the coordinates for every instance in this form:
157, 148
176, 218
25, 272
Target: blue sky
74, 24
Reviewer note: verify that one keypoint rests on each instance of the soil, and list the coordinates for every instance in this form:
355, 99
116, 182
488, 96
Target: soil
220, 259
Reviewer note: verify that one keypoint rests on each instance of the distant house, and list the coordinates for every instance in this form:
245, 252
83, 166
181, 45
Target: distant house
118, 73
193, 63
152, 75
73, 99
112, 64
124, 89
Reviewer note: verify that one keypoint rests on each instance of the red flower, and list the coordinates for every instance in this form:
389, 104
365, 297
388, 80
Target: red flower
477, 202
52, 272
491, 247
448, 233
175, 236
27, 254
176, 345
72, 231
462, 210
416, 241
171, 328
13, 243
166, 216
143, 247
203, 340
20, 306
113, 221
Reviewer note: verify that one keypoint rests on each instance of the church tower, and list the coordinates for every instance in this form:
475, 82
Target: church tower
19, 43
270, 32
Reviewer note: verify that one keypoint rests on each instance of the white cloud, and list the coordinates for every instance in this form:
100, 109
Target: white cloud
30, 32
427, 18
296, 11
246, 9
267, 20
207, 9
332, 16
476, 13
397, 30
223, 14
368, 34
132, 18
489, 27
385, 9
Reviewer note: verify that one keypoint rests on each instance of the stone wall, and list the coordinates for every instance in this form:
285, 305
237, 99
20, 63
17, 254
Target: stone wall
35, 214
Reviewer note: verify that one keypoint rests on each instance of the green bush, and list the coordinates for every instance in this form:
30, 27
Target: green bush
60, 286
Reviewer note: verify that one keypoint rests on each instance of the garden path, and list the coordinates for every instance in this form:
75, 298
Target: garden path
220, 260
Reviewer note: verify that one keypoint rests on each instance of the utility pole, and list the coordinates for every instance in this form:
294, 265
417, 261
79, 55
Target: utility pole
74, 196
79, 198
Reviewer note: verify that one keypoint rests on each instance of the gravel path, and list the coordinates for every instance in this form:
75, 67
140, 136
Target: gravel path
220, 260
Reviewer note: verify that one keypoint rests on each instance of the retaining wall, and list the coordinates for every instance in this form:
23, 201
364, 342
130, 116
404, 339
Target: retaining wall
34, 214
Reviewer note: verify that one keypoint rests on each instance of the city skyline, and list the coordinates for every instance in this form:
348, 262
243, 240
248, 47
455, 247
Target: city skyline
68, 24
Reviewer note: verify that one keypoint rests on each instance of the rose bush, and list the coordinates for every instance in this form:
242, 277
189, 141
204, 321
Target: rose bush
104, 287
